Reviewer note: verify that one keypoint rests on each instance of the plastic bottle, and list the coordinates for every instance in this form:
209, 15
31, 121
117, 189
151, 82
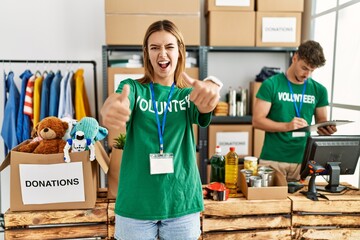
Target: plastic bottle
217, 162
231, 171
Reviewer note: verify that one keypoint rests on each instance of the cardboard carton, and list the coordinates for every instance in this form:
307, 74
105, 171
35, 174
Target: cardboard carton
229, 5
278, 191
280, 5
278, 29
46, 182
236, 28
153, 6
129, 28
239, 136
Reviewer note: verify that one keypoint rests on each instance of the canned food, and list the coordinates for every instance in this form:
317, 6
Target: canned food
270, 172
251, 164
247, 173
255, 181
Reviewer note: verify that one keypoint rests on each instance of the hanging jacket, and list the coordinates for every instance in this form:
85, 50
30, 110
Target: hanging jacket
62, 96
23, 127
45, 95
55, 94
8, 130
37, 98
82, 108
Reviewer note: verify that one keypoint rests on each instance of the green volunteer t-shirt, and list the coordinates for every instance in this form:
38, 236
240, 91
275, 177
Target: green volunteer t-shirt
161, 196
282, 146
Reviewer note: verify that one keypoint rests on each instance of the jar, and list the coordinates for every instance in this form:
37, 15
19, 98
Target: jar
251, 163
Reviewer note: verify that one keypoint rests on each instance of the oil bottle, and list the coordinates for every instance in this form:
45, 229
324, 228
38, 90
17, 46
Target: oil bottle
217, 162
231, 171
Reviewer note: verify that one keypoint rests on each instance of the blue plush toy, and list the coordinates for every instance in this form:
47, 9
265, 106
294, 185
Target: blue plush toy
83, 136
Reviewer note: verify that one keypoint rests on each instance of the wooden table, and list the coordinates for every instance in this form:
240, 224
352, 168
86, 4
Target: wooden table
238, 218
337, 217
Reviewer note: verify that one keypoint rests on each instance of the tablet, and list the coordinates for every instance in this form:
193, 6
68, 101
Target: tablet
315, 127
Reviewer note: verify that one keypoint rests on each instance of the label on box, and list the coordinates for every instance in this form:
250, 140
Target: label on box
239, 140
52, 183
235, 3
279, 29
120, 77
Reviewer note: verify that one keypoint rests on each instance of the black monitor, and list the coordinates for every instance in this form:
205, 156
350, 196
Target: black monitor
333, 155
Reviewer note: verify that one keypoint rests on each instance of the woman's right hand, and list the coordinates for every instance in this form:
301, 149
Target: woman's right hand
116, 109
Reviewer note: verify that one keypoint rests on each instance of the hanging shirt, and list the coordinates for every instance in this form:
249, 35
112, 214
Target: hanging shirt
68, 109
8, 130
62, 94
23, 126
37, 98
82, 108
55, 94
28, 104
45, 95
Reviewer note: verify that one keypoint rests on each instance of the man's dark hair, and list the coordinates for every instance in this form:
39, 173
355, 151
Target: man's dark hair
312, 53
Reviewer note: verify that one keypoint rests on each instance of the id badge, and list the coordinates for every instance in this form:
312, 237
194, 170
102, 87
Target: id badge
161, 163
298, 134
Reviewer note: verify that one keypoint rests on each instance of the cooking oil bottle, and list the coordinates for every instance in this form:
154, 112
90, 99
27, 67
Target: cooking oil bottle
231, 171
217, 162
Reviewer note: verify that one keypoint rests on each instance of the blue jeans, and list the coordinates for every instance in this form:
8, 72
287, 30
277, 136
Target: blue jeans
181, 228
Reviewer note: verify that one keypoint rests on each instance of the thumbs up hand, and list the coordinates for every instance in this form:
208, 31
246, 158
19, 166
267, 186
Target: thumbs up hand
116, 109
205, 94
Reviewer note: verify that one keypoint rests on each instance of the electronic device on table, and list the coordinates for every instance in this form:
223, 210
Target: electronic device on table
333, 155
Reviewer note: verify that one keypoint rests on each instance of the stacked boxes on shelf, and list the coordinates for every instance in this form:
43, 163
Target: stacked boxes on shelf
230, 23
278, 23
127, 21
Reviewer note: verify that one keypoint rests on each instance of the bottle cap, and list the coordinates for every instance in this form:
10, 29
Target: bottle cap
218, 149
232, 149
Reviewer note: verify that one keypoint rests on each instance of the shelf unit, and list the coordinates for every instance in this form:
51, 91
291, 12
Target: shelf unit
202, 52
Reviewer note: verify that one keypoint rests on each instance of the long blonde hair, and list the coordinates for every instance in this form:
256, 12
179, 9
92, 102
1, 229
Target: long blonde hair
168, 26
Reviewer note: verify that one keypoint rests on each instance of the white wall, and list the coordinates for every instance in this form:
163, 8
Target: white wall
50, 30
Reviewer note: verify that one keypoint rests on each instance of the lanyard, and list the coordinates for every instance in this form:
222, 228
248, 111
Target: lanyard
298, 110
161, 128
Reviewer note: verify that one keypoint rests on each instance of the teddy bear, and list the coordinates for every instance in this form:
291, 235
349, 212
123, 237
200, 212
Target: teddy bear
83, 136
49, 132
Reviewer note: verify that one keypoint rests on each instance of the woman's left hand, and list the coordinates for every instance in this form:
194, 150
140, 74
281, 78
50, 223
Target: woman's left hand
205, 94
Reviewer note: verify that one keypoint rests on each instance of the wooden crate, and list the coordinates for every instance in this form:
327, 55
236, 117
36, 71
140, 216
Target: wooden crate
58, 224
111, 219
337, 217
238, 218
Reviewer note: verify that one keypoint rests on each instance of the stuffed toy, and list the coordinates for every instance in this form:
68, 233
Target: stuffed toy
83, 136
71, 123
49, 133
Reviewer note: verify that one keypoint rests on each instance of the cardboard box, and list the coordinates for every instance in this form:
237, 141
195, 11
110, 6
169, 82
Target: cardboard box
229, 5
279, 191
259, 136
229, 135
231, 28
129, 29
46, 182
254, 88
280, 5
278, 29
153, 6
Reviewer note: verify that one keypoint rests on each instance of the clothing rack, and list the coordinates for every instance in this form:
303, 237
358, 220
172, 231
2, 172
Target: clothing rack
64, 61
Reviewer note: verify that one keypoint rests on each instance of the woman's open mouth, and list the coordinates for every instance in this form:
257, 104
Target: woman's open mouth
164, 64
